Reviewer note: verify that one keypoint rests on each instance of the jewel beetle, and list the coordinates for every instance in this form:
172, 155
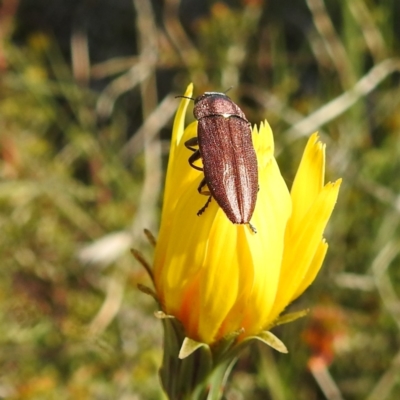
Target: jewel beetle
224, 144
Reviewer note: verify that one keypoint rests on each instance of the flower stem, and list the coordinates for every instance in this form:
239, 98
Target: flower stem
196, 377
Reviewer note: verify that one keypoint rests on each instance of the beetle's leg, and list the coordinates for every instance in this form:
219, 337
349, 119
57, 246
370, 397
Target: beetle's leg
201, 186
194, 157
202, 209
252, 227
192, 143
205, 192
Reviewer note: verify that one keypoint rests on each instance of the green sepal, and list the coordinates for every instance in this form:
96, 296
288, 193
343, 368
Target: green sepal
150, 237
271, 340
188, 347
226, 347
146, 290
161, 315
140, 258
290, 317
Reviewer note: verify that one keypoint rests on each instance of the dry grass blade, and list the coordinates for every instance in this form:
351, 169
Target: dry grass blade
109, 308
383, 282
157, 119
332, 41
114, 66
343, 102
107, 249
390, 378
80, 56
325, 380
138, 73
372, 35
189, 55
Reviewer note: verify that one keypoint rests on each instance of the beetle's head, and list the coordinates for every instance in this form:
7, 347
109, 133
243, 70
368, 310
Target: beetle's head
214, 95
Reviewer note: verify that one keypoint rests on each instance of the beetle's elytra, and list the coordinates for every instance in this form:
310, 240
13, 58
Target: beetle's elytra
229, 160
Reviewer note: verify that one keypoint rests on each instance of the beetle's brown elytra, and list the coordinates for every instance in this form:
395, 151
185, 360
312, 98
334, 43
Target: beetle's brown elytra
224, 143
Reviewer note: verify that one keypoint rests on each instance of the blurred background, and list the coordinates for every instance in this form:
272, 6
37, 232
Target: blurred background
86, 106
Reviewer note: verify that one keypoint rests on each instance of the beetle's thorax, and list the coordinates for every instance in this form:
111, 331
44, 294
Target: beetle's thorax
218, 104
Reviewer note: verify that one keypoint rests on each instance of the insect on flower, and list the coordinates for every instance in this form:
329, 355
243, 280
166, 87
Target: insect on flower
225, 145
266, 271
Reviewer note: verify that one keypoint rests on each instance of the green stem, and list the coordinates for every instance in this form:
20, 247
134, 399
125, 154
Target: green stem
198, 376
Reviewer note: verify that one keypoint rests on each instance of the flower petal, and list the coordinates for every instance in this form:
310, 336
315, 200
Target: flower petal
176, 139
309, 179
271, 214
313, 270
223, 277
181, 180
302, 245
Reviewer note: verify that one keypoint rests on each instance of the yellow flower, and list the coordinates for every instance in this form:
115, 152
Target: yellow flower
216, 277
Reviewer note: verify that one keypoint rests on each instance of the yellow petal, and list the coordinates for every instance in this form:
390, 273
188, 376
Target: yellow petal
176, 139
302, 245
263, 141
181, 180
272, 211
182, 246
309, 179
222, 279
180, 173
313, 270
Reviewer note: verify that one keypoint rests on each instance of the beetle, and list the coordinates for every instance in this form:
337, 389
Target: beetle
224, 143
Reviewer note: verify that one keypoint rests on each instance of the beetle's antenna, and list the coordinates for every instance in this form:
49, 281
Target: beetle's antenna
227, 90
184, 97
